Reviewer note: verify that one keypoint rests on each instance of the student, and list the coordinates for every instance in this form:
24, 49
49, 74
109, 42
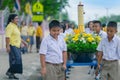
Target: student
98, 29
31, 33
89, 29
62, 30
53, 54
109, 52
24, 36
68, 28
39, 36
104, 28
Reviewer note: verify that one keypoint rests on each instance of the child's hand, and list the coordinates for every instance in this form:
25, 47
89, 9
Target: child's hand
43, 72
64, 67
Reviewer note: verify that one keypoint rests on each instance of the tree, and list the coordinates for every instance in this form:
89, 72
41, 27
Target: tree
64, 16
51, 7
111, 18
8, 3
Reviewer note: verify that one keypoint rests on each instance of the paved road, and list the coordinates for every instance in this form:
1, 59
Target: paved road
31, 68
30, 65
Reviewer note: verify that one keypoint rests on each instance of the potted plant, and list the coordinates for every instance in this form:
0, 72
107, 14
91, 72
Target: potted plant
82, 46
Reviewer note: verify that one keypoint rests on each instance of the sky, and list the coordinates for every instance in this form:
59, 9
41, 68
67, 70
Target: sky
94, 9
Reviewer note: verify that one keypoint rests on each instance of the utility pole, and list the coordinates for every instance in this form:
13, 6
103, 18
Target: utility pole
107, 15
60, 13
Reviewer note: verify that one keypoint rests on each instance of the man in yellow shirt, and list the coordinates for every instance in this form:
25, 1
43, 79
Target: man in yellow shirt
39, 35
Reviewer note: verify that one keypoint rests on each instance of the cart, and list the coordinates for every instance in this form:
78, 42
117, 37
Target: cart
70, 64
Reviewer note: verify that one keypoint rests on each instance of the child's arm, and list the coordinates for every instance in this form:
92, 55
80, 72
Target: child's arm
64, 59
64, 54
42, 52
42, 60
43, 65
100, 54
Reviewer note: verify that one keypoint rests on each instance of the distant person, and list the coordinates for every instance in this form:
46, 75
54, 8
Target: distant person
109, 53
31, 33
104, 28
24, 36
53, 54
68, 29
90, 28
13, 41
62, 30
39, 36
72, 26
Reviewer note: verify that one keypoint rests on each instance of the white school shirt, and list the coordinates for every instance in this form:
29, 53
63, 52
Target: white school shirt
87, 30
111, 50
102, 34
53, 49
69, 31
63, 35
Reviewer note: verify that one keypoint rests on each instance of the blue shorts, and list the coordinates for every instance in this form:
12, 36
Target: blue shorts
31, 40
24, 38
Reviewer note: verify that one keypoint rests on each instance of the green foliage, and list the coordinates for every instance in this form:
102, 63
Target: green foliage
8, 3
111, 18
51, 7
63, 15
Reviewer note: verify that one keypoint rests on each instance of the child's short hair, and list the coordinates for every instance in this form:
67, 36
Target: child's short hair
96, 21
54, 23
112, 24
103, 25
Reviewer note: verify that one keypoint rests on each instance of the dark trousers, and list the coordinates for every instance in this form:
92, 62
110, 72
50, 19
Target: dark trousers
15, 60
38, 41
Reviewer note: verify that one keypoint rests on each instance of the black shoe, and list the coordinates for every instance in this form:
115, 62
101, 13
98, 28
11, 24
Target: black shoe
8, 73
16, 77
13, 77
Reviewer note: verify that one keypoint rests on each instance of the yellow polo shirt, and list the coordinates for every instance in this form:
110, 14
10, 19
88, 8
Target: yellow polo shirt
24, 30
31, 31
13, 33
39, 31
105, 29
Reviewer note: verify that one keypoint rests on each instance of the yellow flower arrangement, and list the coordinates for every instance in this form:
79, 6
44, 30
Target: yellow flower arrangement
82, 42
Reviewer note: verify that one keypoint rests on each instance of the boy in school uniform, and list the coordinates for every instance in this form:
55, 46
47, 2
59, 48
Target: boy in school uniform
109, 53
53, 54
98, 29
